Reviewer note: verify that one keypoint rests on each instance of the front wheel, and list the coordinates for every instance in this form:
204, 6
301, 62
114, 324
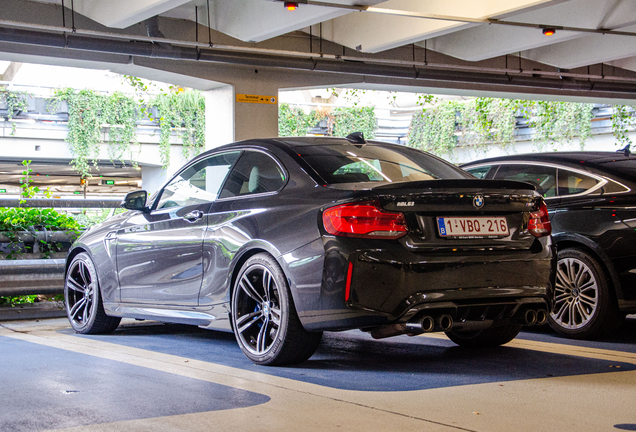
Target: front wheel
490, 337
82, 298
264, 318
585, 306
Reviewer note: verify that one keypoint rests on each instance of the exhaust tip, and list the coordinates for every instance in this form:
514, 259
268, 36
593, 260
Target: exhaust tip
530, 317
542, 317
428, 324
446, 322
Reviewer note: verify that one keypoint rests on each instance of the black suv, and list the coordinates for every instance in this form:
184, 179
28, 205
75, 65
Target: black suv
591, 197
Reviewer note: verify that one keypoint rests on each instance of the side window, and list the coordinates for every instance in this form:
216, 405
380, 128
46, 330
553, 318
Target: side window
254, 173
199, 183
571, 183
479, 172
542, 177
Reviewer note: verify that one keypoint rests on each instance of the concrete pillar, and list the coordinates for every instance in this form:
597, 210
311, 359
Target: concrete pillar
256, 120
219, 116
228, 120
152, 178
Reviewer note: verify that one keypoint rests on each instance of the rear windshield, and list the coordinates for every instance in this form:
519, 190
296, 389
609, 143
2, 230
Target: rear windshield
372, 163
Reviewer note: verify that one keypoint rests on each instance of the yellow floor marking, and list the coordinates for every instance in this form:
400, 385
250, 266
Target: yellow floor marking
556, 348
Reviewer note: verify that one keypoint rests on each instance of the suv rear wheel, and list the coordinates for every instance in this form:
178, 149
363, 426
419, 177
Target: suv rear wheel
585, 305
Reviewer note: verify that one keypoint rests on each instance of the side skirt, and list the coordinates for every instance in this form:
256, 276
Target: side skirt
212, 318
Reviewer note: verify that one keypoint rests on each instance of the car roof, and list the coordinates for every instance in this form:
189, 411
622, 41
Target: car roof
571, 158
292, 143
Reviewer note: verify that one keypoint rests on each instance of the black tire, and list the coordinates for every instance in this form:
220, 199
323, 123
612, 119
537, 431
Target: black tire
264, 317
83, 300
490, 337
585, 305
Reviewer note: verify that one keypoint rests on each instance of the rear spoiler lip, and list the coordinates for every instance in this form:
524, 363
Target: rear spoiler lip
455, 184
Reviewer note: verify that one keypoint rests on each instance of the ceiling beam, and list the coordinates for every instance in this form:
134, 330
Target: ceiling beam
124, 13
375, 32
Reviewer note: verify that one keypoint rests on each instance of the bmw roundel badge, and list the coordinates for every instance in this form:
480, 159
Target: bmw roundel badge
478, 201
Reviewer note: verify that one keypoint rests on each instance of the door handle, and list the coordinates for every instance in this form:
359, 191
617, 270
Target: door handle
193, 216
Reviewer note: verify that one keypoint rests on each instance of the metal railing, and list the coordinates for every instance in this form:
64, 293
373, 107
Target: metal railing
40, 276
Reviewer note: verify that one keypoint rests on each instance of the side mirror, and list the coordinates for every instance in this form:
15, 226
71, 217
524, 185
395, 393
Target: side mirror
135, 201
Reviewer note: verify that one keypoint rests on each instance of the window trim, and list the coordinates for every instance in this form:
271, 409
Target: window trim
601, 180
280, 165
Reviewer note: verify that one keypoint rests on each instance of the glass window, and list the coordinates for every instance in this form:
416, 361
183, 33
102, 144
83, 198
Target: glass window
571, 183
199, 183
479, 172
357, 164
254, 173
542, 177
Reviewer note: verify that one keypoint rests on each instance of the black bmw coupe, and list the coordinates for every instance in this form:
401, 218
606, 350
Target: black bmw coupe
281, 239
591, 197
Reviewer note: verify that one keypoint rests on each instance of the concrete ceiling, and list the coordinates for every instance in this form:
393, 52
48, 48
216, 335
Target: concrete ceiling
374, 32
505, 34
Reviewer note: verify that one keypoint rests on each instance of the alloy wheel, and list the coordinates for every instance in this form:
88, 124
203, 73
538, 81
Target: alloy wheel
258, 311
80, 293
576, 294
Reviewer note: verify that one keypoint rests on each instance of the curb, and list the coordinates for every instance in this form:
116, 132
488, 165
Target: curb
33, 311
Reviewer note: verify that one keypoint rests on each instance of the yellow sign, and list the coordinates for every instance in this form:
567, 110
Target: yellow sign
271, 100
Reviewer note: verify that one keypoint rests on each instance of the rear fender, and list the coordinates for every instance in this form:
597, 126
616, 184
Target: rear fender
565, 240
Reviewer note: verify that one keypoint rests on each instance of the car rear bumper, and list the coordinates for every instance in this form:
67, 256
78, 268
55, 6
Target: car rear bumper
390, 284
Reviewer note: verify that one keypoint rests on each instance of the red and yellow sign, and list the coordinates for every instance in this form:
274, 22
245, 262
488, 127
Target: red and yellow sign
248, 98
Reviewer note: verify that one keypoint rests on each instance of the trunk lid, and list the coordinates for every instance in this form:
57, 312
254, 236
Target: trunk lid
439, 213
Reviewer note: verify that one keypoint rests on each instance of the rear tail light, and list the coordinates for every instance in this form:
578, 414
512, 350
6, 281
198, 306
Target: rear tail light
364, 219
539, 224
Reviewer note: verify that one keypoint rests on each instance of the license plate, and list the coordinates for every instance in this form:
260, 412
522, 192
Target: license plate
472, 226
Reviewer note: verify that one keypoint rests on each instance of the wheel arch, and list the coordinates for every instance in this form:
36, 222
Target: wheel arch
595, 251
241, 259
72, 254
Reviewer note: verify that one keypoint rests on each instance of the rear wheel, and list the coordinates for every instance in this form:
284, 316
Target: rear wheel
585, 306
490, 337
83, 300
264, 318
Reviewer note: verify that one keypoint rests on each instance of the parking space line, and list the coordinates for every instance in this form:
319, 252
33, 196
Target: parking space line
555, 348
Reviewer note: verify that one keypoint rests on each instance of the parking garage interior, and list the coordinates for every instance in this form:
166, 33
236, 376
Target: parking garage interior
170, 377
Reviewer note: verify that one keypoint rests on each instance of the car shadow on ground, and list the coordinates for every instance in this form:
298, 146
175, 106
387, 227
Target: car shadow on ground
623, 340
352, 360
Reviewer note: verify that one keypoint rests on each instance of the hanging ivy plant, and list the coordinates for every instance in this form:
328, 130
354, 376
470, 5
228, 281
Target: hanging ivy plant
90, 112
292, 121
560, 122
119, 113
339, 121
622, 120
442, 126
434, 128
84, 127
349, 120
16, 101
183, 113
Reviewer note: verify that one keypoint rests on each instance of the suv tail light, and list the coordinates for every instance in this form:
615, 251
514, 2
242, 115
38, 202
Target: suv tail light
364, 219
539, 224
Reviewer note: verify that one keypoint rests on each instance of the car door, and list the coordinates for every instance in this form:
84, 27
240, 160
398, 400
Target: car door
160, 255
242, 213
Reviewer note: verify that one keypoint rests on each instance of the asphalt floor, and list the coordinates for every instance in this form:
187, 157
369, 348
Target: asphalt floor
149, 376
